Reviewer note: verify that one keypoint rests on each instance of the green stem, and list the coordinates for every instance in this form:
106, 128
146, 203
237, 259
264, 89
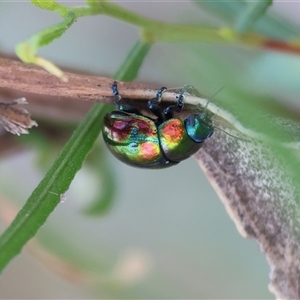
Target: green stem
161, 31
157, 31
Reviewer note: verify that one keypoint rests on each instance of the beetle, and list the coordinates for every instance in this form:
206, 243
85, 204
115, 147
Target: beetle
154, 143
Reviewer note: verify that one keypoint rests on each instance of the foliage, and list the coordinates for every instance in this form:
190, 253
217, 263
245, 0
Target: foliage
252, 28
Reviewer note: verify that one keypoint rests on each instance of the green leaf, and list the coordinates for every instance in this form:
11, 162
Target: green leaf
270, 25
131, 65
50, 5
57, 180
27, 51
253, 12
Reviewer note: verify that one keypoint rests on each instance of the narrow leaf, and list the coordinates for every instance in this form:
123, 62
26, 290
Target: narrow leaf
48, 193
27, 51
46, 196
133, 61
253, 12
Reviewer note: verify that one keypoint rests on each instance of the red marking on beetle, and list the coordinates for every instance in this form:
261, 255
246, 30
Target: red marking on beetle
128, 127
173, 130
119, 125
141, 126
150, 150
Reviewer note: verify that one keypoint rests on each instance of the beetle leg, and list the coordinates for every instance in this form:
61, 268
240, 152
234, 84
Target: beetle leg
153, 105
117, 98
168, 111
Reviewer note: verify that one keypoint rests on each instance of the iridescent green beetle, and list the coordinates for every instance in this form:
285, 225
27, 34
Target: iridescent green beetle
143, 142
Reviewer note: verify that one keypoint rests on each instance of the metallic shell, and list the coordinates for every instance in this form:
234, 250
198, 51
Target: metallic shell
175, 142
134, 140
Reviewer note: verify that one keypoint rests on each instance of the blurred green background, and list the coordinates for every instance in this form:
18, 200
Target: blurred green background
167, 232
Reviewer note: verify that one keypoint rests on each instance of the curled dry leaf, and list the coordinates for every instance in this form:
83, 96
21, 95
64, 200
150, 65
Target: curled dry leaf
257, 179
14, 118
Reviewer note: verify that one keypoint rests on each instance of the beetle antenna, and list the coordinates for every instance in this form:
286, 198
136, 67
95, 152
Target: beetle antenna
238, 138
218, 91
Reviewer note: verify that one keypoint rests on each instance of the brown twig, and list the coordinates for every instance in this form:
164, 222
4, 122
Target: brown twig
25, 78
50, 98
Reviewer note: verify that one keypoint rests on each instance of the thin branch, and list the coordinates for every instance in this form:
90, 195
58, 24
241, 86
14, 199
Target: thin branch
30, 79
50, 98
